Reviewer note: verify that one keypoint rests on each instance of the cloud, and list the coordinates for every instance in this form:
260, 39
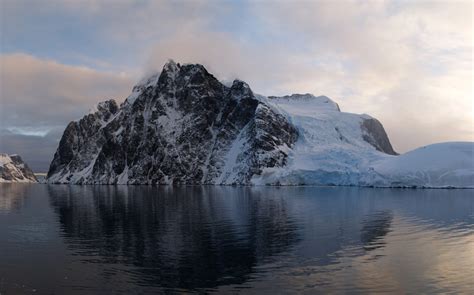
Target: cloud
267, 68
40, 131
36, 93
407, 63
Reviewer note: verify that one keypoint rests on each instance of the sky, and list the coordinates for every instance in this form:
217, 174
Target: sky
407, 63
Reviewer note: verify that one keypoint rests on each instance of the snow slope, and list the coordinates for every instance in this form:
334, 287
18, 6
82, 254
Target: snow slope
449, 164
304, 104
331, 151
13, 169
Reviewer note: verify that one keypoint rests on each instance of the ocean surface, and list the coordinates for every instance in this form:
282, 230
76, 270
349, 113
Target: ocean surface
58, 239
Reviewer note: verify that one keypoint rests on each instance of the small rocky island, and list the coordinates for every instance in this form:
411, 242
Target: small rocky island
14, 169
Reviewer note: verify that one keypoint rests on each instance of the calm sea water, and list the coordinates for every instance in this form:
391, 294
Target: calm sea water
118, 239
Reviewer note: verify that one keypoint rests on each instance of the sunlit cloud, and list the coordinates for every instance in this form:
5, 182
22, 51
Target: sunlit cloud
37, 93
30, 131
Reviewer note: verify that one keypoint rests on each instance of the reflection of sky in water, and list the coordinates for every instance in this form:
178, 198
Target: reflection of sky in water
299, 239
12, 196
413, 258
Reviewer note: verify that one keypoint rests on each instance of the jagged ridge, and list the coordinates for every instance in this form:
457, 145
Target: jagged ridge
182, 126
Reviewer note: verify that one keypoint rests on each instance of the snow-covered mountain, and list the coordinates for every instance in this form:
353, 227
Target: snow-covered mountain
449, 164
337, 148
183, 126
13, 169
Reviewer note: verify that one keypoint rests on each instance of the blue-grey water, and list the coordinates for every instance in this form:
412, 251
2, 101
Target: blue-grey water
58, 239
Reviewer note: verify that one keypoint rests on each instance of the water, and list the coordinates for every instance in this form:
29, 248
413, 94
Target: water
105, 239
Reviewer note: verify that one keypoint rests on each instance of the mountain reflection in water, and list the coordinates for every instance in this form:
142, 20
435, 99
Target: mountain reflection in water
375, 227
259, 240
189, 237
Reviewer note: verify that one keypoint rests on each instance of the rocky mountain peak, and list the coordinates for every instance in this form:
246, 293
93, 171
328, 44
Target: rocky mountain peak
14, 169
106, 109
190, 73
240, 89
171, 66
102, 112
182, 126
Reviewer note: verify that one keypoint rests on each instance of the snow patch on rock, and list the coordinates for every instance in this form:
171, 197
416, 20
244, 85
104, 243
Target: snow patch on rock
13, 169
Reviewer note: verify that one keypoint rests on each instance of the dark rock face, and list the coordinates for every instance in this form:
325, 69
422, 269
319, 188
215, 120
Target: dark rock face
14, 169
182, 126
375, 134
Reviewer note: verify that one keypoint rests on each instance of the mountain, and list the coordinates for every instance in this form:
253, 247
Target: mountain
183, 126
13, 169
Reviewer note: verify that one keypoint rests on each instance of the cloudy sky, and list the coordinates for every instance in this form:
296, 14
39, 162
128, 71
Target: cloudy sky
407, 63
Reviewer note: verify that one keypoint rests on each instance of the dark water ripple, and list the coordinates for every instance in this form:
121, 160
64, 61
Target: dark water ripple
119, 239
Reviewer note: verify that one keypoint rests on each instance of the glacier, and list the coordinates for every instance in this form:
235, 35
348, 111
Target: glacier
331, 150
